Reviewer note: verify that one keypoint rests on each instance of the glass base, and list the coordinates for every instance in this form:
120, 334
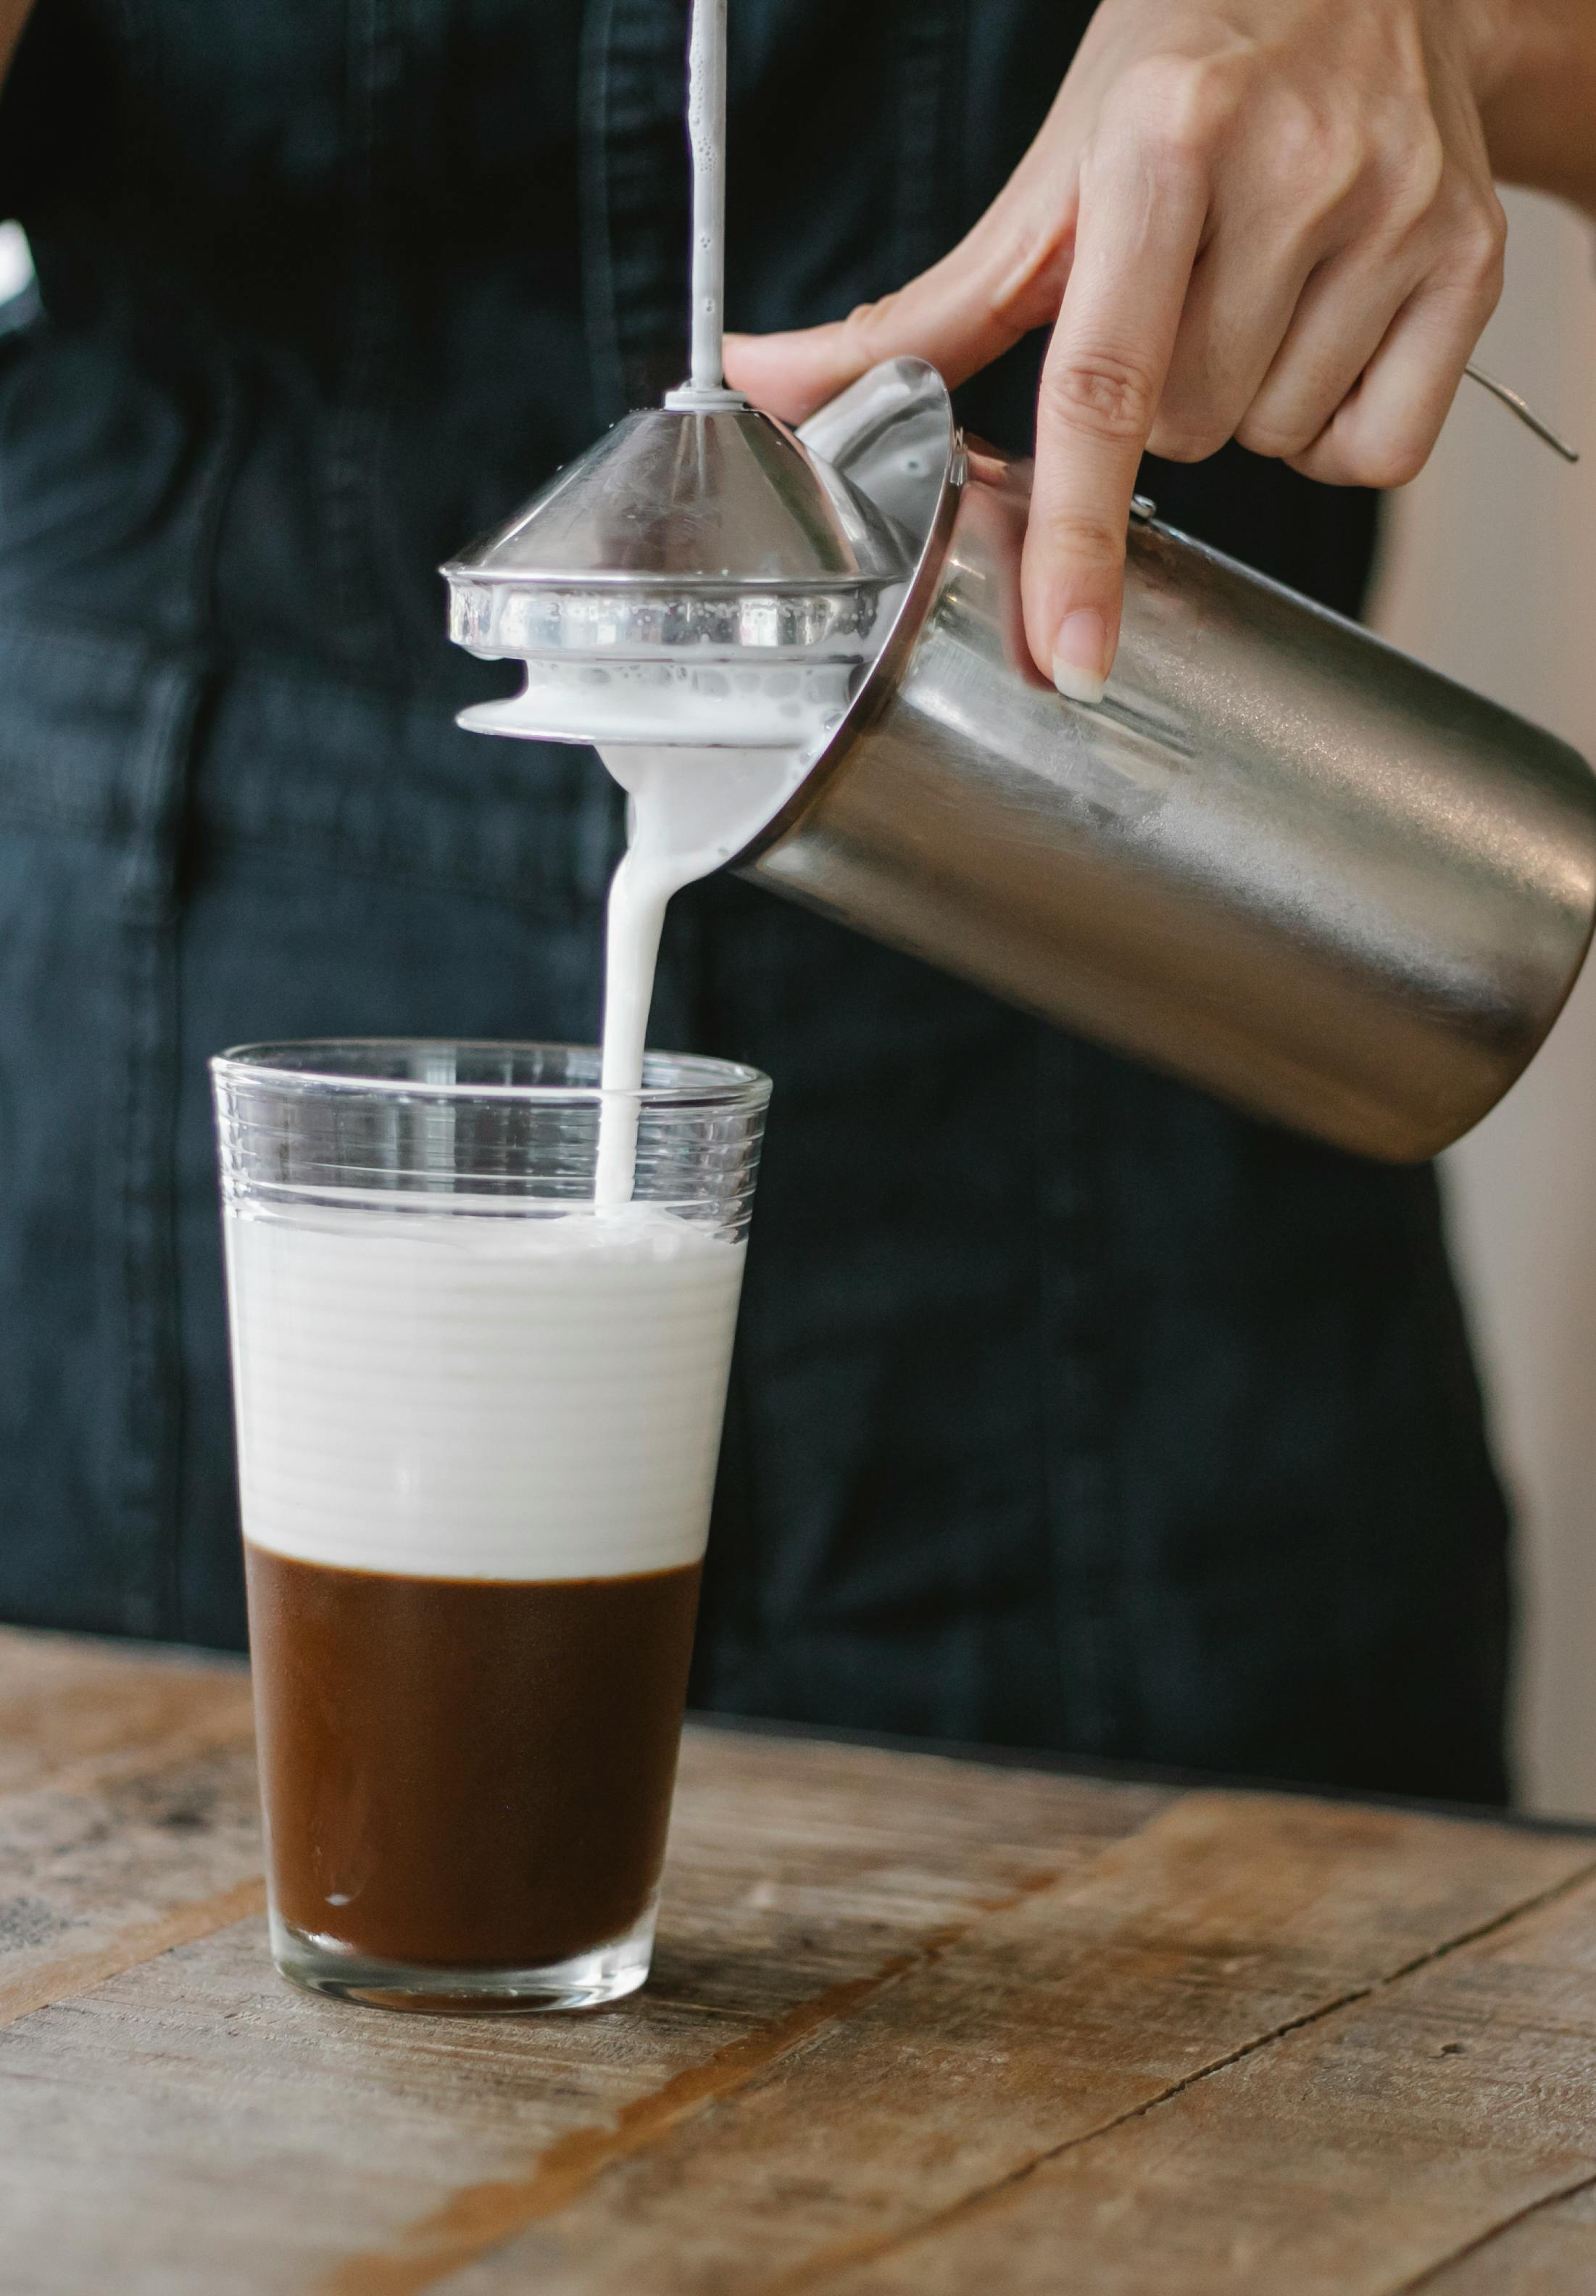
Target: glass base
586, 1980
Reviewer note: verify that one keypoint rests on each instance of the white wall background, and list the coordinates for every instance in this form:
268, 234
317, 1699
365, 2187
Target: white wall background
1490, 573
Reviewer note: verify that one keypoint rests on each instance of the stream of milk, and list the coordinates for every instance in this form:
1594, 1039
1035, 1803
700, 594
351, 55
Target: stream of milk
692, 808
689, 811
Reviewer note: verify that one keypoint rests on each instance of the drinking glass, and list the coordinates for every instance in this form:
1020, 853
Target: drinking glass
478, 1421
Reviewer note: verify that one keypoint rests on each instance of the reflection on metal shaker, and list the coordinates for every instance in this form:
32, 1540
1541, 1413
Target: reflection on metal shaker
1281, 859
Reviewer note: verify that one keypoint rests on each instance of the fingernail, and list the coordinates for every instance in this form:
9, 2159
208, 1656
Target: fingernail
1081, 656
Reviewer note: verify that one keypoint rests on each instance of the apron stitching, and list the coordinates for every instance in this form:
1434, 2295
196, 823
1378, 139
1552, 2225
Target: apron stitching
374, 64
153, 1388
1086, 1558
925, 185
646, 175
159, 793
606, 365
212, 491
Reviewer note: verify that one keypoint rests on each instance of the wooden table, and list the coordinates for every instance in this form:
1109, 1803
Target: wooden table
918, 2027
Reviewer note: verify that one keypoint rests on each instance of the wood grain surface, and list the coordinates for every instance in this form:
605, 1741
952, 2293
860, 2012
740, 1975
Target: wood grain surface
916, 2025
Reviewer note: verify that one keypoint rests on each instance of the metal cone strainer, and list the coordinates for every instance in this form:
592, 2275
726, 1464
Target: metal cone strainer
698, 575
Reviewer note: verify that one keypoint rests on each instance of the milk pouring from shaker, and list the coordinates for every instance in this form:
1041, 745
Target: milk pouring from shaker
1280, 860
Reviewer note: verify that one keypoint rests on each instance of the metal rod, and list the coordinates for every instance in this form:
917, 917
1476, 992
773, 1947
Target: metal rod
707, 133
1526, 412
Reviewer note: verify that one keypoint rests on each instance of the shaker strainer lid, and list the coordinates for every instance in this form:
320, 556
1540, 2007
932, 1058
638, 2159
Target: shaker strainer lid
685, 525
698, 577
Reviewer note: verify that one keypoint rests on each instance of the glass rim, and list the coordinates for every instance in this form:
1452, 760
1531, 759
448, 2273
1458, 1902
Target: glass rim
713, 1083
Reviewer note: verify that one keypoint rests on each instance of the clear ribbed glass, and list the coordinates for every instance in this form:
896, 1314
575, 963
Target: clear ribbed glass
478, 1421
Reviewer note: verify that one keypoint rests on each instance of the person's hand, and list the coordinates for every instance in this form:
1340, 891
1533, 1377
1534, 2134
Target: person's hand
13, 15
1270, 220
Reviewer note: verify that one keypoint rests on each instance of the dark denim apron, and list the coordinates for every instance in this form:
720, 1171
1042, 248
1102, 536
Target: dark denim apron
1070, 1409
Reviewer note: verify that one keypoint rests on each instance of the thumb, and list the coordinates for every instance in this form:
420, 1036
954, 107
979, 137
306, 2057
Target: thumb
791, 374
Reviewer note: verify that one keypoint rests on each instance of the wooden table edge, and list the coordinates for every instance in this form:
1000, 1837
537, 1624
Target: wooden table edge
1054, 1762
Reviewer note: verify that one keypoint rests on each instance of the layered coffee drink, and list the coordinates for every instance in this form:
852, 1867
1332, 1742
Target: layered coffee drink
476, 1457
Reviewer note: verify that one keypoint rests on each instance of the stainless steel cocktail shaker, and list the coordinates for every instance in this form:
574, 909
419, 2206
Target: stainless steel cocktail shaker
1280, 859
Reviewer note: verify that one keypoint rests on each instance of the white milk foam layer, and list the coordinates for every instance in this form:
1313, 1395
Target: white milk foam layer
451, 1396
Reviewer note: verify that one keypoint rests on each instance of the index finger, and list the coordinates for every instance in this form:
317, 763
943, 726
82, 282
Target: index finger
1139, 233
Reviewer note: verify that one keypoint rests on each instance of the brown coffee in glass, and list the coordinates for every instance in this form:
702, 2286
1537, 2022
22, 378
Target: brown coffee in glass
477, 1423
